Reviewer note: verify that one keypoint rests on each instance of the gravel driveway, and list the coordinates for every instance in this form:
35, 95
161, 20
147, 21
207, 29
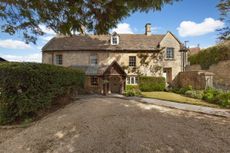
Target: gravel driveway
113, 125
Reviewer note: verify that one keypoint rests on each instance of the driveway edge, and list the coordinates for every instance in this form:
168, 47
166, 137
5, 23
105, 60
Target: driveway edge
180, 106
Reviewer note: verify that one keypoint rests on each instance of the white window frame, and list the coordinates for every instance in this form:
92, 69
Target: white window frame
132, 80
113, 38
170, 55
132, 63
93, 60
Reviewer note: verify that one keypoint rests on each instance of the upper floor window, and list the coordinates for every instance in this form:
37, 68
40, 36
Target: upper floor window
132, 60
114, 39
58, 59
170, 53
93, 59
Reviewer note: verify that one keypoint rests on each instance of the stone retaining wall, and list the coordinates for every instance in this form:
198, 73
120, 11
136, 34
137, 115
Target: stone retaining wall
199, 80
221, 71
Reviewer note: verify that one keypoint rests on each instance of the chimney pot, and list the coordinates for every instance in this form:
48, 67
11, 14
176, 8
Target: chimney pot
148, 29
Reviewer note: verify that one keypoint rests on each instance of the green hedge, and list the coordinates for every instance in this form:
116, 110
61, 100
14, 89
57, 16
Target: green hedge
148, 84
210, 56
27, 88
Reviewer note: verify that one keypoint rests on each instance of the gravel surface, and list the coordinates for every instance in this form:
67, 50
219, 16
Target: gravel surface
113, 125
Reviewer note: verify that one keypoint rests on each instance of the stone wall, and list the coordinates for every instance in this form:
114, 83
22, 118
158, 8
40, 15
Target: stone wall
221, 71
176, 64
199, 80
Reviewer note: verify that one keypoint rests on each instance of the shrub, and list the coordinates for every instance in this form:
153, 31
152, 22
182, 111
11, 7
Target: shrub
198, 94
217, 97
132, 87
149, 84
27, 88
211, 56
132, 90
182, 90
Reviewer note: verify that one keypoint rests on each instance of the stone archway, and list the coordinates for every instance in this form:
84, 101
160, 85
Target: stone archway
116, 79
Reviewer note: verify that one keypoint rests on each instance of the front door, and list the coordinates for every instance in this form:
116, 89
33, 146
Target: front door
115, 84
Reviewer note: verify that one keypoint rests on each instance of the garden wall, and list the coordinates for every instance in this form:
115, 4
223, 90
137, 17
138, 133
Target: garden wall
197, 79
221, 71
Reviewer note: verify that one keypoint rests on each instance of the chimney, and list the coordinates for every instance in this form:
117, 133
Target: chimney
148, 29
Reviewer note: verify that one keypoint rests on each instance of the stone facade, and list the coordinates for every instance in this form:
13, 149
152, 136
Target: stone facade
149, 63
132, 54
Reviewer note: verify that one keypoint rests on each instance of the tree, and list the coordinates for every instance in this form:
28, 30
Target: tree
224, 8
64, 16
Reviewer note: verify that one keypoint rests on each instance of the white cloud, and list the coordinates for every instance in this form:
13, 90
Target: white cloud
156, 29
190, 28
123, 28
47, 38
13, 44
36, 57
47, 30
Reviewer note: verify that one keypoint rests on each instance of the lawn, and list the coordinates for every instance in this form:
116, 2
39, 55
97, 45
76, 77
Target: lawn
176, 98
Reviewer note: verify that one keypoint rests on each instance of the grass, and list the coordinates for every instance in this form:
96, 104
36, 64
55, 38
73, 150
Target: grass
173, 97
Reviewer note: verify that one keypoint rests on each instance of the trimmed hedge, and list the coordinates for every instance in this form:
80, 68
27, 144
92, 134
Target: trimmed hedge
210, 56
27, 88
148, 84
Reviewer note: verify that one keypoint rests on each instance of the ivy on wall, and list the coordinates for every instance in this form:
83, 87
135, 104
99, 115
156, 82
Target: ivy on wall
210, 56
145, 64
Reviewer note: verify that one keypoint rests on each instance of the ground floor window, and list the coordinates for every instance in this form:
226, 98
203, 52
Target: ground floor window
58, 59
132, 80
94, 80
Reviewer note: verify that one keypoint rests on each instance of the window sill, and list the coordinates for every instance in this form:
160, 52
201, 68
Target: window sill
170, 59
132, 66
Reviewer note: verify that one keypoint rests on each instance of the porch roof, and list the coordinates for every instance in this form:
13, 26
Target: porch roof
99, 70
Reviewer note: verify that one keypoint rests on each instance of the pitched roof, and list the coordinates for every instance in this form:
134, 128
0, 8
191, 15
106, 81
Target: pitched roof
92, 69
97, 69
102, 42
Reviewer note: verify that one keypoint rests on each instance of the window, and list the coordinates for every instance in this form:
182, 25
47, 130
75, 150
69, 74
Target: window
58, 59
132, 60
132, 80
94, 81
114, 40
170, 53
93, 59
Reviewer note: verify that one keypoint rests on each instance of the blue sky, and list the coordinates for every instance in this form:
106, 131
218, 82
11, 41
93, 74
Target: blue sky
190, 20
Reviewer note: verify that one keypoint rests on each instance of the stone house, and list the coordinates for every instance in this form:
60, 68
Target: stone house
113, 61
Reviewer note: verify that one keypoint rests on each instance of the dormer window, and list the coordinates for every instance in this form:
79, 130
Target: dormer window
114, 39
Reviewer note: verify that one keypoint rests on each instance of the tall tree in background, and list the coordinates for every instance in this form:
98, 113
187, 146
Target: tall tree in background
64, 16
224, 8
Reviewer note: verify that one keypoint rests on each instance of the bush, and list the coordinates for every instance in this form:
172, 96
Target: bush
182, 90
217, 97
27, 88
132, 87
197, 94
148, 84
210, 56
132, 90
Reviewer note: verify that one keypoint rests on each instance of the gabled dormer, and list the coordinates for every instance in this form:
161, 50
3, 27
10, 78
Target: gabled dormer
114, 39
